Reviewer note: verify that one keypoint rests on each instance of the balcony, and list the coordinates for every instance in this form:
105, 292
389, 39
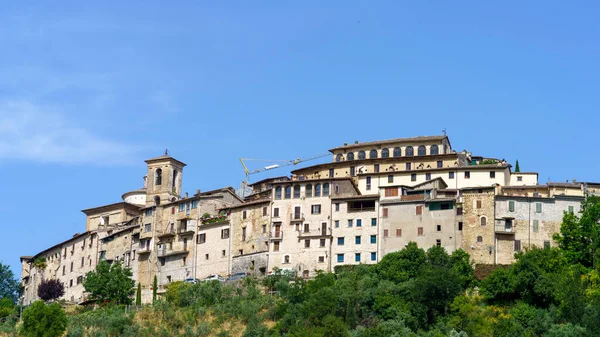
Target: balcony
186, 230
276, 235
504, 227
166, 233
412, 197
144, 250
164, 252
297, 217
317, 232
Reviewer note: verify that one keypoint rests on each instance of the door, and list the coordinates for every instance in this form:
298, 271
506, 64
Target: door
277, 231
324, 228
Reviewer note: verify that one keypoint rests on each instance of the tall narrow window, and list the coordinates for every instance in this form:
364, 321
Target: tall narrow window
317, 190
483, 221
376, 168
397, 152
338, 157
158, 177
385, 153
174, 178
511, 206
538, 207
368, 183
536, 226
362, 155
433, 149
278, 193
373, 154
326, 189
308, 190
288, 192
409, 152
350, 156
421, 150
296, 191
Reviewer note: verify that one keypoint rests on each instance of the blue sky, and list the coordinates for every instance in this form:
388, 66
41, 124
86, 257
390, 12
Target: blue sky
88, 91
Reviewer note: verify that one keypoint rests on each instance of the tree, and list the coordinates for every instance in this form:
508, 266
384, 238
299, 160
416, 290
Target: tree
154, 286
50, 290
403, 265
578, 237
517, 168
138, 295
43, 320
9, 286
110, 283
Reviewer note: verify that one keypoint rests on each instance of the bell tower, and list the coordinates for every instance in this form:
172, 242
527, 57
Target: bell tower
163, 182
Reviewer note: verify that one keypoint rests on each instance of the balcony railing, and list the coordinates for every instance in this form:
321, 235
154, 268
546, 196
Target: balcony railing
164, 252
314, 232
144, 249
412, 197
185, 230
168, 232
276, 235
297, 217
504, 229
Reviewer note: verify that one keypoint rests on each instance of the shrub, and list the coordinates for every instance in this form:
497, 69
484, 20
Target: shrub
43, 320
50, 290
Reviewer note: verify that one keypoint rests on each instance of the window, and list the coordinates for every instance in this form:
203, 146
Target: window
158, 177
148, 228
397, 152
478, 204
181, 207
296, 191
357, 257
413, 177
459, 211
317, 190
511, 206
350, 156
399, 232
331, 173
483, 221
361, 155
315, 209
243, 233
368, 183
244, 215
390, 178
546, 244
340, 258
467, 175
337, 223
278, 193
384, 212
286, 259
326, 189
419, 210
265, 211
64, 269
373, 222
223, 253
206, 256
321, 259
308, 190
519, 178
460, 225
433, 149
450, 175
306, 243
357, 240
70, 283
480, 239
373, 256
492, 174
517, 245
571, 209
421, 150
148, 212
373, 238
82, 261
264, 228
385, 233
306, 228
340, 241
225, 233
409, 152
338, 157
276, 246
376, 168
440, 164
350, 221
71, 266
276, 212
337, 207
536, 226
427, 176
385, 153
391, 191
538, 207
352, 171
438, 242
439, 228
288, 192
322, 243
358, 222
420, 231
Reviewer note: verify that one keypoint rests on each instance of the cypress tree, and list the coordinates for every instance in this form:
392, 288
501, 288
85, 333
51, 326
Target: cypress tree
154, 286
517, 168
138, 295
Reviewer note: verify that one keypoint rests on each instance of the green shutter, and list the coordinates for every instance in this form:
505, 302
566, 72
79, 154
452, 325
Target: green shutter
571, 209
538, 207
511, 206
536, 226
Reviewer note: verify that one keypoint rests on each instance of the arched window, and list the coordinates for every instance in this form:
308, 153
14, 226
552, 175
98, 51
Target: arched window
278, 193
397, 152
385, 153
350, 156
480, 239
157, 200
286, 259
361, 155
288, 192
409, 151
296, 191
483, 221
422, 150
317, 190
308, 191
338, 157
326, 189
158, 177
373, 154
433, 149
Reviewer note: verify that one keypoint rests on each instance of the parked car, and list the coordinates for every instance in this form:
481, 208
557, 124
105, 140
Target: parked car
236, 277
191, 280
214, 277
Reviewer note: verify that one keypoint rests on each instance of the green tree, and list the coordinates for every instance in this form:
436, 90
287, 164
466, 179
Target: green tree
7, 306
41, 320
110, 283
9, 286
138, 295
402, 265
579, 235
50, 290
517, 168
154, 289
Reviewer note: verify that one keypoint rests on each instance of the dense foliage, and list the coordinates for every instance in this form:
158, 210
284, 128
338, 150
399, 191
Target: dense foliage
9, 286
41, 320
49, 290
110, 283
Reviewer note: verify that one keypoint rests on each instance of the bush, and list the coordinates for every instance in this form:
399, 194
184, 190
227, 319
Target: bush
43, 320
50, 290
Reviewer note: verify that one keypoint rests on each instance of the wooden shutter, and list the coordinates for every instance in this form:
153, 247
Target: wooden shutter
385, 212
420, 231
478, 204
419, 210
399, 232
385, 232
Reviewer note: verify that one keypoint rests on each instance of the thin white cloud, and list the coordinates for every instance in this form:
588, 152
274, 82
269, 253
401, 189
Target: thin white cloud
42, 134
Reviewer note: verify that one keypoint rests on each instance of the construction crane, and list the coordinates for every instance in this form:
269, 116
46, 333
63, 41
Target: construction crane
271, 167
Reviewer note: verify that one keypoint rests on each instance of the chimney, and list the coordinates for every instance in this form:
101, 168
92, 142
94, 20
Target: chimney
356, 142
345, 144
197, 191
186, 195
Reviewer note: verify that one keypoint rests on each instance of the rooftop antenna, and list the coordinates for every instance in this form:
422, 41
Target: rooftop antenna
444, 131
166, 152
